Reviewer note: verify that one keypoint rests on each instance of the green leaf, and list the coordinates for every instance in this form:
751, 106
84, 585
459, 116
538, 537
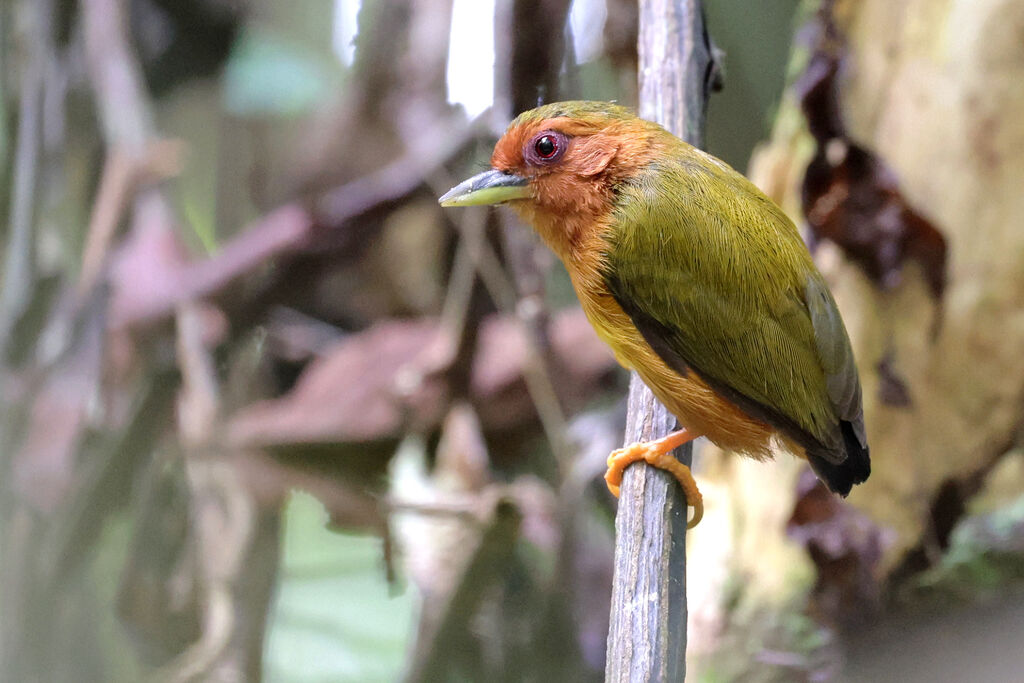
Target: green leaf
268, 76
334, 618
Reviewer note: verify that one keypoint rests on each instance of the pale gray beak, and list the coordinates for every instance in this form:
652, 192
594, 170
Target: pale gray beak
489, 187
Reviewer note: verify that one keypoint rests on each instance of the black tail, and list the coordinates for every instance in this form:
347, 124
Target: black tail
841, 477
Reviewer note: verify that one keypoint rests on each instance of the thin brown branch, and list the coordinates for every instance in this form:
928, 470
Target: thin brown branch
223, 515
125, 110
280, 232
122, 173
535, 371
465, 510
19, 258
433, 149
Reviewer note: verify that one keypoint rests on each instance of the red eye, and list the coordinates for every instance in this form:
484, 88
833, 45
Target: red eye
546, 146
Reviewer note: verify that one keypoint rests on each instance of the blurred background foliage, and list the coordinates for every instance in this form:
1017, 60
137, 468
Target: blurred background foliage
269, 412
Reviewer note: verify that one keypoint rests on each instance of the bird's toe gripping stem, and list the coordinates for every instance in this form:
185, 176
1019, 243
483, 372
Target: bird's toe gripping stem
658, 454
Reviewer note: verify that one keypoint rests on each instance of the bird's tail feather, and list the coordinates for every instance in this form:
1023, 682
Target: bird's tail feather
841, 477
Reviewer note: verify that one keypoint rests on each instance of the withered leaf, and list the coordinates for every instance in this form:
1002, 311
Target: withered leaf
850, 195
355, 392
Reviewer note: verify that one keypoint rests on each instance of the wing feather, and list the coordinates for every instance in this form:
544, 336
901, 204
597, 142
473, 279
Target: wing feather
721, 282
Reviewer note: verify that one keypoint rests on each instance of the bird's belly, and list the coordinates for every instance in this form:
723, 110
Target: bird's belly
698, 407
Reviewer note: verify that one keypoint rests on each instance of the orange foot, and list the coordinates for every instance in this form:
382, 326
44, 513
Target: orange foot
658, 454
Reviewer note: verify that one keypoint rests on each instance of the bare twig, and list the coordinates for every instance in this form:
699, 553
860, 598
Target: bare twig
465, 510
535, 371
277, 233
223, 518
125, 111
18, 262
394, 180
647, 636
223, 513
121, 174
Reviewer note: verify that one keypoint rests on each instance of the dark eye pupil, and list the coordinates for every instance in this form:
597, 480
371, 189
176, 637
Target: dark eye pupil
546, 146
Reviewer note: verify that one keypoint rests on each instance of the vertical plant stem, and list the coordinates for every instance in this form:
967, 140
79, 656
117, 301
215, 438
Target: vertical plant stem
647, 634
19, 259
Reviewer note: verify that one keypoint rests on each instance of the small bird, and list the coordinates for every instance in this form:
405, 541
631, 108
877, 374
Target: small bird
695, 279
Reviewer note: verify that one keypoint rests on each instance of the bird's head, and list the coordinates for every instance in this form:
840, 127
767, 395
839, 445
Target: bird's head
557, 165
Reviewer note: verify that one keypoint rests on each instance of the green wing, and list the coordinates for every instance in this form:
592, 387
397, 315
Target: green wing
717, 280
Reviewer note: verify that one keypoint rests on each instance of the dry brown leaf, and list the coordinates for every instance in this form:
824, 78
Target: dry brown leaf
376, 384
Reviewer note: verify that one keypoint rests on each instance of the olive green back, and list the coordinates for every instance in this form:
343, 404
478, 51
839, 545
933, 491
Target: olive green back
718, 280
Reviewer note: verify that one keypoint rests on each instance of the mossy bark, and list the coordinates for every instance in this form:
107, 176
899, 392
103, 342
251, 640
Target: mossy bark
933, 87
